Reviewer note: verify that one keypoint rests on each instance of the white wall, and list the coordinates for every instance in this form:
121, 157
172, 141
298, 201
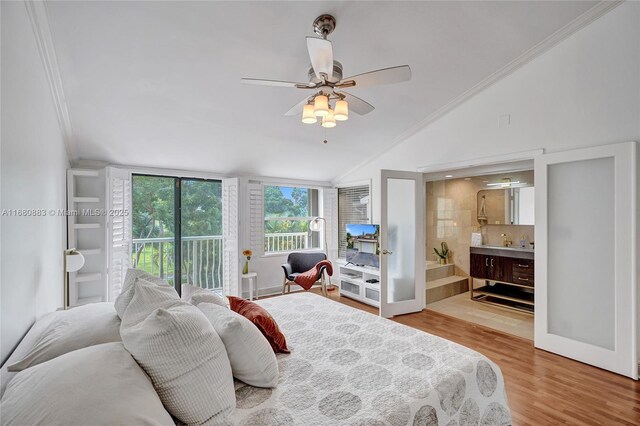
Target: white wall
585, 91
33, 164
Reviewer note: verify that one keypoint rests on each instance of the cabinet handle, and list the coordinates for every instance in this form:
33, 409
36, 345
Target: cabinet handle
523, 279
523, 266
492, 263
486, 262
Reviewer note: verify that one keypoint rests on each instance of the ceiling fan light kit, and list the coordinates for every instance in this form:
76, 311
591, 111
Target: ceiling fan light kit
329, 101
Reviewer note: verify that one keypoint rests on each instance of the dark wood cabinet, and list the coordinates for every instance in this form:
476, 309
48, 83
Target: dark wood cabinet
509, 277
486, 267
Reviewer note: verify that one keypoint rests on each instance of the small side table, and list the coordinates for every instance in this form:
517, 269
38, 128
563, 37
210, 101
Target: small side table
252, 277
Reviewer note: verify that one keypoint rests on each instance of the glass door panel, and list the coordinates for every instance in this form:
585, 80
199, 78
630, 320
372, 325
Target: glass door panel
153, 225
201, 248
402, 240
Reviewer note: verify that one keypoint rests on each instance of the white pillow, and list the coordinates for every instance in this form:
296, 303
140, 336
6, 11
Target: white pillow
146, 298
196, 295
124, 298
252, 358
187, 363
99, 385
76, 328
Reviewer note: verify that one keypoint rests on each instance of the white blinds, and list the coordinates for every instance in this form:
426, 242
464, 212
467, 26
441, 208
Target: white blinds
353, 207
330, 214
230, 188
119, 228
256, 218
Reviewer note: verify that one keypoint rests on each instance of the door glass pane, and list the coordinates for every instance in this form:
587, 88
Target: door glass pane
201, 233
401, 239
153, 225
581, 251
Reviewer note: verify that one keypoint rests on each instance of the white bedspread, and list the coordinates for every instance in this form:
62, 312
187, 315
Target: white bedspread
349, 367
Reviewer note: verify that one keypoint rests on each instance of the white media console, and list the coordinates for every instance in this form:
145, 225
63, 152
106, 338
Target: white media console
353, 283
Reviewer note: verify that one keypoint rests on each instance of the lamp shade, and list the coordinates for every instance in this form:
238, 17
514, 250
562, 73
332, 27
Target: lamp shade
341, 111
75, 261
314, 225
308, 116
321, 105
329, 121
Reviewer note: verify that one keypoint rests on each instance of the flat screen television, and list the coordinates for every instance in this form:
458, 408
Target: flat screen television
363, 244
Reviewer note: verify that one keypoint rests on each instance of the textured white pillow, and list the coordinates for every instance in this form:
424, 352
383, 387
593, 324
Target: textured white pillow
124, 298
252, 358
187, 363
98, 385
76, 328
146, 298
196, 295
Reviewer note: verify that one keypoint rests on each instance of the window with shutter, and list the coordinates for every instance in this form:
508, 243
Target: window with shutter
353, 207
119, 228
330, 214
256, 218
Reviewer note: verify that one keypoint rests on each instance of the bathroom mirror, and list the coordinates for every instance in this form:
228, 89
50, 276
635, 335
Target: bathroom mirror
510, 206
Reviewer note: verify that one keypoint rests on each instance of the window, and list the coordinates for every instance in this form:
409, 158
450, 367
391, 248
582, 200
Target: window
177, 229
353, 207
287, 212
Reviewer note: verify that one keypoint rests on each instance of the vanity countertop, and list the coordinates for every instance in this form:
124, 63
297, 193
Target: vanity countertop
517, 252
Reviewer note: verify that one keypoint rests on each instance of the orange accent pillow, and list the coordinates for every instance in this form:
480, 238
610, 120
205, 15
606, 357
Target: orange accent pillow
261, 319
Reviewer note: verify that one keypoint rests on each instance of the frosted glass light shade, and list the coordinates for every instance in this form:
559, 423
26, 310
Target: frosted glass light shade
329, 121
75, 261
341, 111
321, 105
308, 116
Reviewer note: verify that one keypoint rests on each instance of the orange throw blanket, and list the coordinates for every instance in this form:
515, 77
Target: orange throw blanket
307, 279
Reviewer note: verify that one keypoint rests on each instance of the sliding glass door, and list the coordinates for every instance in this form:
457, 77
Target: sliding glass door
177, 229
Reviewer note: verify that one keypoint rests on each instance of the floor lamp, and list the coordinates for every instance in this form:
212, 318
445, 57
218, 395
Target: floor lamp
73, 261
314, 226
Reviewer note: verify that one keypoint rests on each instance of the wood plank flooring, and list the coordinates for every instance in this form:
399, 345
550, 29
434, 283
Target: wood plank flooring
543, 388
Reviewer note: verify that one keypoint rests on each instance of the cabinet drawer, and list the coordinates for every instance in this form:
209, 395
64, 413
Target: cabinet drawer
521, 266
350, 288
372, 294
523, 278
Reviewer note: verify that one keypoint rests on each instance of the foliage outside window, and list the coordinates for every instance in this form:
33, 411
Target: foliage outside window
287, 212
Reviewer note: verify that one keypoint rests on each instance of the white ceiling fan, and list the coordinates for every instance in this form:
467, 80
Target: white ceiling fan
329, 101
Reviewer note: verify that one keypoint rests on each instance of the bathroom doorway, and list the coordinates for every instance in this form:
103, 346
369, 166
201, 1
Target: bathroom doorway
480, 246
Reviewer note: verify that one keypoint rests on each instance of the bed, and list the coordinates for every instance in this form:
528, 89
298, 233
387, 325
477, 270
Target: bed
350, 367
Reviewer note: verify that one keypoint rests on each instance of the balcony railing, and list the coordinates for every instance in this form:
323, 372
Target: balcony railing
285, 241
201, 256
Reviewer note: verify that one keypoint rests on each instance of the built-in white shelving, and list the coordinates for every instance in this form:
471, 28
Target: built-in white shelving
86, 190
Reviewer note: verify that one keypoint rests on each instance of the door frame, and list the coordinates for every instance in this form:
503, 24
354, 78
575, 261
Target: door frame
418, 303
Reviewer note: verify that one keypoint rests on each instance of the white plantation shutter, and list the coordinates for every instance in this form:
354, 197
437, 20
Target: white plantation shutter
231, 269
353, 207
255, 204
118, 228
330, 214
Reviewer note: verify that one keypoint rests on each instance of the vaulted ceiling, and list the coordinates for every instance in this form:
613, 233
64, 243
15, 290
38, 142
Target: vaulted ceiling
157, 84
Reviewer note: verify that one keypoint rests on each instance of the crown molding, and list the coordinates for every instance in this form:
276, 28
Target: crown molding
37, 11
545, 45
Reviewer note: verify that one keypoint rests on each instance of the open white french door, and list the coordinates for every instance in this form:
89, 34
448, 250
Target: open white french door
586, 256
402, 258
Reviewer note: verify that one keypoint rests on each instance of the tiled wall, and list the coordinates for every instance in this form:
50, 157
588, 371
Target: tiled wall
451, 215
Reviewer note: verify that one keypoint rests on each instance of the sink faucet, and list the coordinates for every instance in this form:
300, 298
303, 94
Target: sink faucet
505, 241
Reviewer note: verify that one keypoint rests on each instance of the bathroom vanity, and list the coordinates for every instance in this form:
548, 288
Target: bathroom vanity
508, 274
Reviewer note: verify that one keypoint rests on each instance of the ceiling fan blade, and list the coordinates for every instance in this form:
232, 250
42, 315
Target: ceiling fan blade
321, 55
274, 83
357, 105
297, 108
383, 76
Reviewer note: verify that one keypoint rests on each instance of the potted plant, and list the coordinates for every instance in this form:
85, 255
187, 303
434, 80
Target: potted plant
443, 253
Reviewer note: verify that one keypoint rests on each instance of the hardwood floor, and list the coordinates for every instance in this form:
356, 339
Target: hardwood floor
543, 388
